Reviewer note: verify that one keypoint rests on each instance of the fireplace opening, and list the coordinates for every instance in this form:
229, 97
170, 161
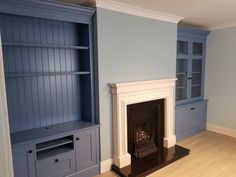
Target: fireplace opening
145, 128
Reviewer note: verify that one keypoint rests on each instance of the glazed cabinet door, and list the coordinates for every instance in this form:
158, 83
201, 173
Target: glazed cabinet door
181, 82
86, 148
182, 67
189, 70
197, 65
24, 161
190, 60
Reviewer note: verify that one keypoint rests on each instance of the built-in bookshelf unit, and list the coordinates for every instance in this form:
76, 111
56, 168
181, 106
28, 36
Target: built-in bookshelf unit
191, 107
48, 65
47, 71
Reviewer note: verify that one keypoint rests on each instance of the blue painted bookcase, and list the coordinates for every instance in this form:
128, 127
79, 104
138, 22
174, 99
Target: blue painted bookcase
191, 108
49, 73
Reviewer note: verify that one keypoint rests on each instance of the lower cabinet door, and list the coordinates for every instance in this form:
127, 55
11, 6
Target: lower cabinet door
197, 115
23, 161
190, 119
56, 166
182, 122
86, 148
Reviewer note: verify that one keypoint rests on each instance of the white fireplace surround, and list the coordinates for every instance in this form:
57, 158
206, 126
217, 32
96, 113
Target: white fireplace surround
124, 94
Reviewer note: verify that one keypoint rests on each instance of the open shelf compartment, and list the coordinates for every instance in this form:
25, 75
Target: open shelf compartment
48, 71
54, 147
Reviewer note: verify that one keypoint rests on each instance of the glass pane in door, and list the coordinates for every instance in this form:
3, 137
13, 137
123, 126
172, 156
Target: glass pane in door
181, 83
196, 78
197, 48
182, 47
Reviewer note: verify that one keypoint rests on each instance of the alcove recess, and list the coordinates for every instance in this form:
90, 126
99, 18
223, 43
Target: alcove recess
48, 72
48, 65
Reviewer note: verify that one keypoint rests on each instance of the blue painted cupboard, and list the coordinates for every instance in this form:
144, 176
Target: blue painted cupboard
191, 107
49, 73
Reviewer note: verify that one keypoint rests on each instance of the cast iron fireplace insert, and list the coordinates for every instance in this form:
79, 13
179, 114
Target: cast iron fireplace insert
145, 127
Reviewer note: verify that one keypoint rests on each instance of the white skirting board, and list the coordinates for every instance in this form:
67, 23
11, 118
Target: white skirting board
221, 129
105, 165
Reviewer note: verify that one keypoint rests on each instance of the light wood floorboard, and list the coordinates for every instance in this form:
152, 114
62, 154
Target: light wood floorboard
211, 155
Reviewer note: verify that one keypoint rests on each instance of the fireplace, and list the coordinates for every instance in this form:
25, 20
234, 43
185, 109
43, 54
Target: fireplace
145, 127
143, 112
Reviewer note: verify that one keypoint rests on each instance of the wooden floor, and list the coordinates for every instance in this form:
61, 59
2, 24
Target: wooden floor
211, 155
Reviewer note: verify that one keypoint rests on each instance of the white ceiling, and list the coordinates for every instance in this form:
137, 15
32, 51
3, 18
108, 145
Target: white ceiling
207, 14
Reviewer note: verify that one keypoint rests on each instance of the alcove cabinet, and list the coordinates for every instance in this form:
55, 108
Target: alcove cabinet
190, 119
190, 65
190, 69
49, 74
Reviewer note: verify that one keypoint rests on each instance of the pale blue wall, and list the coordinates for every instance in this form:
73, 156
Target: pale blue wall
220, 79
130, 48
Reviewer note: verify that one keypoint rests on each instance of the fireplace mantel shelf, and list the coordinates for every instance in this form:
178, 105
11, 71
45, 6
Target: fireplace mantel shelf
127, 87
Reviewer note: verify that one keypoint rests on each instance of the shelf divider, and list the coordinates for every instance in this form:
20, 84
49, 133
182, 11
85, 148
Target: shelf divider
181, 73
46, 74
196, 72
196, 85
17, 44
180, 87
52, 144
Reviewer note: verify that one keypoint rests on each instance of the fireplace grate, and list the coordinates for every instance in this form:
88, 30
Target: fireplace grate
144, 148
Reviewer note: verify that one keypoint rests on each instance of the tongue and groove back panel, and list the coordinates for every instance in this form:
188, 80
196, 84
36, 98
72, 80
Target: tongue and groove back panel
47, 70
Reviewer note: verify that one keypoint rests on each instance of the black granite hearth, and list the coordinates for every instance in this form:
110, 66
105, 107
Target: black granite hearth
145, 166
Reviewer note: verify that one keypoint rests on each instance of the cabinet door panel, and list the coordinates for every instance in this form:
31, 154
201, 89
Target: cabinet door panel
86, 149
182, 123
23, 161
197, 115
57, 166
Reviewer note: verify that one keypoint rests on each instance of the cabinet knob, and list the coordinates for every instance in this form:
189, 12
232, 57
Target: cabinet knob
30, 151
77, 139
192, 108
56, 160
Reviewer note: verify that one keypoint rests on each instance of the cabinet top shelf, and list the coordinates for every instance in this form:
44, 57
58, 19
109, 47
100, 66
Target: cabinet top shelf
35, 45
181, 73
53, 130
